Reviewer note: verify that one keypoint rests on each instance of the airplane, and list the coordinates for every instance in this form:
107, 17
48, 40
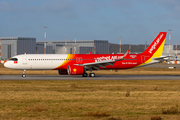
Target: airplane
78, 64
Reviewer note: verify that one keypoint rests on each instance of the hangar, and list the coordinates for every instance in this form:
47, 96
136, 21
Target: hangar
82, 47
11, 46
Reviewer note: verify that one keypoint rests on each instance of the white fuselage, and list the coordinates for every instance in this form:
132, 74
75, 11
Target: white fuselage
36, 61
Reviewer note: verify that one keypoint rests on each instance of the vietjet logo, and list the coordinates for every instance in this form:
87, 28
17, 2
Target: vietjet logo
155, 44
15, 62
74, 70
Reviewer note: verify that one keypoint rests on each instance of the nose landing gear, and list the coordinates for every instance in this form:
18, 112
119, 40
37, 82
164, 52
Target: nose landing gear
24, 74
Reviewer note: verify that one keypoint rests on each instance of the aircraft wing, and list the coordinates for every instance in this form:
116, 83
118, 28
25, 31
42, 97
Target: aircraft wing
96, 65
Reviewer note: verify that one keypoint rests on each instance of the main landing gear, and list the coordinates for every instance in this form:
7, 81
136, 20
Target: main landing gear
90, 74
24, 74
85, 75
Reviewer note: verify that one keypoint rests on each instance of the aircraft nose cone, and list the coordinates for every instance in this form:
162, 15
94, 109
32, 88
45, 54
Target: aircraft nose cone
6, 65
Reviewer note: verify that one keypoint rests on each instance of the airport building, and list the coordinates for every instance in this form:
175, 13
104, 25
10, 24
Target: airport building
82, 47
11, 46
173, 52
166, 49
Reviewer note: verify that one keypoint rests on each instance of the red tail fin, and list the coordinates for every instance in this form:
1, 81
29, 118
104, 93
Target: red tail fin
156, 47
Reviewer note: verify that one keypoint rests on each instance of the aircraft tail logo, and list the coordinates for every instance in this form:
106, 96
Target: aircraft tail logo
156, 47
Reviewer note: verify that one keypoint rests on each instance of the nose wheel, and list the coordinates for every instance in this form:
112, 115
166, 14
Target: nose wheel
24, 74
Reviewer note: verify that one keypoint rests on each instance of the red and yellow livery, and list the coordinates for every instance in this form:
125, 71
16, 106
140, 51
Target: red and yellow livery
78, 64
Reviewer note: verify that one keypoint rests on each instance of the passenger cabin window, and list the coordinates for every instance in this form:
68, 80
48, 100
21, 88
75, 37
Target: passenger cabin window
14, 59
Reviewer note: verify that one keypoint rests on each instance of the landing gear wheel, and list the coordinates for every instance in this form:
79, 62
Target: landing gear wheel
85, 75
23, 75
92, 75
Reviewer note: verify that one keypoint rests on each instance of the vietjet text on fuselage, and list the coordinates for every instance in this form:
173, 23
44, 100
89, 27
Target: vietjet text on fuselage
78, 64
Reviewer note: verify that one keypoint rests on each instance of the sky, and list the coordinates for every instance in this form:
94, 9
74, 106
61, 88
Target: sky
136, 21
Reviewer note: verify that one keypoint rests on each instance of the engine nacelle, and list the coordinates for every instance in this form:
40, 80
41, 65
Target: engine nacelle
75, 70
63, 72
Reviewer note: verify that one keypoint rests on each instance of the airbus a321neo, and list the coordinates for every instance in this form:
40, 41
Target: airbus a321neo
78, 64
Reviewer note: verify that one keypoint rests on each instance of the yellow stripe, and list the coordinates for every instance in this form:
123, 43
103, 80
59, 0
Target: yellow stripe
69, 56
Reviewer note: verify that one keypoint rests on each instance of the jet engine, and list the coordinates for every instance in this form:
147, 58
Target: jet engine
75, 70
63, 72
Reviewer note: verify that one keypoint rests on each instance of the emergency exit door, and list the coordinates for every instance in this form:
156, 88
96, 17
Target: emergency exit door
24, 59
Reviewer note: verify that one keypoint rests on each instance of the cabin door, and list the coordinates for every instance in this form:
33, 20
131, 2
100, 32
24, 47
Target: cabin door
24, 59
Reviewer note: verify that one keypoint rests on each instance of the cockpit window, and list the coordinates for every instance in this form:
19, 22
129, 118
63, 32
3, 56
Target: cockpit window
14, 59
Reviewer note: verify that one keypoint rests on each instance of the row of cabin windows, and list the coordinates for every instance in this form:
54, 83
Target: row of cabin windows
57, 59
130, 59
70, 59
48, 59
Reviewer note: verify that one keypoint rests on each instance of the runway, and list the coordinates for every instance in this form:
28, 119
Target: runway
98, 77
164, 65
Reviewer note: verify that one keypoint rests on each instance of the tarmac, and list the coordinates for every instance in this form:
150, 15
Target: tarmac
98, 77
164, 65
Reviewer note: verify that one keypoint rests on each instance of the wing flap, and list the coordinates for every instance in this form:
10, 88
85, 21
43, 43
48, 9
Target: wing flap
100, 63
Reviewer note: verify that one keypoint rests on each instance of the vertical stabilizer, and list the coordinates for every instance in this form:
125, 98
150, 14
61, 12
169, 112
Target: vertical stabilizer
155, 49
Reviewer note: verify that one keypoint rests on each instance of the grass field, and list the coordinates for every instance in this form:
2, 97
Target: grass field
88, 100
92, 99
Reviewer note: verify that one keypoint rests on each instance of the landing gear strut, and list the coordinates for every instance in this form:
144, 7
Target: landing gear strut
24, 73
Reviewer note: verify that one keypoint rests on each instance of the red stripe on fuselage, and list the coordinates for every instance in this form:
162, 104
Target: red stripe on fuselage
131, 60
